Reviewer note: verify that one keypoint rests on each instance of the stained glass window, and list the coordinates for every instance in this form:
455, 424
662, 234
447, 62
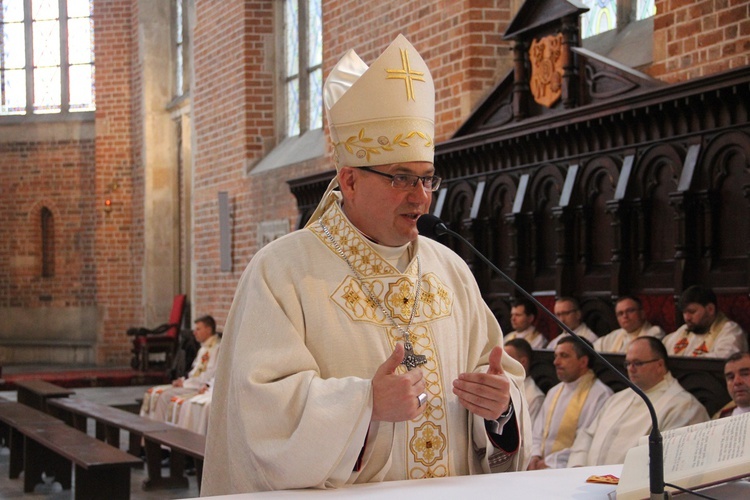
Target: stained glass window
53, 71
303, 65
601, 17
602, 14
179, 42
646, 8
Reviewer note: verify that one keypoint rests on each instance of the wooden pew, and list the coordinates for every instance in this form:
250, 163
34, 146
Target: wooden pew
182, 443
36, 393
101, 471
108, 421
12, 416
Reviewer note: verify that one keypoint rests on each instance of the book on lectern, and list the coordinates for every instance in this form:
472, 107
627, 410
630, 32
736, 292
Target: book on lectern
695, 456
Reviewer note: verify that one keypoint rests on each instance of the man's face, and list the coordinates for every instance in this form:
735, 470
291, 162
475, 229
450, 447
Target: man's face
201, 332
383, 213
568, 313
645, 369
519, 319
737, 374
568, 366
698, 318
629, 315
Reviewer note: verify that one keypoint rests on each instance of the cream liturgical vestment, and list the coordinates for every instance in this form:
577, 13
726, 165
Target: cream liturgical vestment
534, 337
723, 339
534, 397
157, 400
293, 397
568, 408
624, 418
619, 340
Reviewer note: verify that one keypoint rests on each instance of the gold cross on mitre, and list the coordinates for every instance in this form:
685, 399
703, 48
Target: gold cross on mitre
406, 74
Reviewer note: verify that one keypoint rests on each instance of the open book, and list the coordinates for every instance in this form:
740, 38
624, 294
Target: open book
698, 455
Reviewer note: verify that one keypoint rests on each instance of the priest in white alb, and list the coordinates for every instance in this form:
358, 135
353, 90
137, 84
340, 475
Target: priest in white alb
633, 324
624, 418
356, 350
568, 407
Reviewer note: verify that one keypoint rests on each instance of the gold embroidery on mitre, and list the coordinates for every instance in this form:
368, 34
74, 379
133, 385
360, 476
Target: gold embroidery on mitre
406, 74
362, 146
546, 69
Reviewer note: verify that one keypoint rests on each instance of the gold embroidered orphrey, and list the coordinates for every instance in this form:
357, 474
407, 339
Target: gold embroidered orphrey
406, 74
428, 445
546, 69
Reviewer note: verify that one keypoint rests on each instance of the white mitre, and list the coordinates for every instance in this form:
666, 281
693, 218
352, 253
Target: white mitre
379, 115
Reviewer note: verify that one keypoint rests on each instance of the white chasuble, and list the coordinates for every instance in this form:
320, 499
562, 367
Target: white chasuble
305, 334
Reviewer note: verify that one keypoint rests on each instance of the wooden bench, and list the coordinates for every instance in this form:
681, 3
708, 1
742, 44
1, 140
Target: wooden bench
182, 443
108, 420
101, 471
13, 415
35, 393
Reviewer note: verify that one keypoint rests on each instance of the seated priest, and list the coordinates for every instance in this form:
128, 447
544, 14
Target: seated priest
624, 418
633, 324
569, 407
157, 399
707, 331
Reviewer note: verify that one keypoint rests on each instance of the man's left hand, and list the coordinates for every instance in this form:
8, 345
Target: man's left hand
485, 394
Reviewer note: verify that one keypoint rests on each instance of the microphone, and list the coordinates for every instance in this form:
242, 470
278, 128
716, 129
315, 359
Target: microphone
432, 227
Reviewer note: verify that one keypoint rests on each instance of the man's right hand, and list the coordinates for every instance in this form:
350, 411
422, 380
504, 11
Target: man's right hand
395, 396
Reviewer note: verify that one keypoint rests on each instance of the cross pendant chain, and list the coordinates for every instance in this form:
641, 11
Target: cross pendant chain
412, 360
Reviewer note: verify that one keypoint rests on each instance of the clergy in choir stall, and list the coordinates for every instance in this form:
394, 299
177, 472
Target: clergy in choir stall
737, 375
568, 310
358, 351
569, 407
157, 399
624, 418
192, 412
522, 316
521, 351
707, 332
633, 324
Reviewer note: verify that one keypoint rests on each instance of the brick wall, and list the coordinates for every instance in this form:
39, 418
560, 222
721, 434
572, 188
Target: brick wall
58, 175
116, 255
699, 38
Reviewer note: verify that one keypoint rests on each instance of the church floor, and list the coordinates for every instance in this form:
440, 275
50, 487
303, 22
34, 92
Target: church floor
123, 397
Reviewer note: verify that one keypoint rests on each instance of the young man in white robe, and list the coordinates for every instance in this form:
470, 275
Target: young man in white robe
522, 316
569, 407
521, 351
737, 375
624, 418
192, 412
633, 324
356, 350
158, 401
568, 310
707, 332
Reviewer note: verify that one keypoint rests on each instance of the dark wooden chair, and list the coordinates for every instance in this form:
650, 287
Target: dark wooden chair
162, 340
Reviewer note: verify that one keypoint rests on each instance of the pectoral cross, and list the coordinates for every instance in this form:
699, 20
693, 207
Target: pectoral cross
412, 360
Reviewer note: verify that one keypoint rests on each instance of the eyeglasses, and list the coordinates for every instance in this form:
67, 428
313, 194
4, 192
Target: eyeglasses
406, 181
638, 364
627, 311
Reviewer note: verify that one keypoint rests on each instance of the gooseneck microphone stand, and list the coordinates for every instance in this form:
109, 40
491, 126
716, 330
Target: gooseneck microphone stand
431, 226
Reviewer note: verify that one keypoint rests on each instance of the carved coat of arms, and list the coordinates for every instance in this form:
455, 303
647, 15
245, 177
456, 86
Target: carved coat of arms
546, 69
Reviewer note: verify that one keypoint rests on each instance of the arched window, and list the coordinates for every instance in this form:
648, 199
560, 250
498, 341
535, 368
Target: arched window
604, 15
48, 243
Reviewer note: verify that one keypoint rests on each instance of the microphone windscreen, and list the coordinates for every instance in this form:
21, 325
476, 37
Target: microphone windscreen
429, 225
